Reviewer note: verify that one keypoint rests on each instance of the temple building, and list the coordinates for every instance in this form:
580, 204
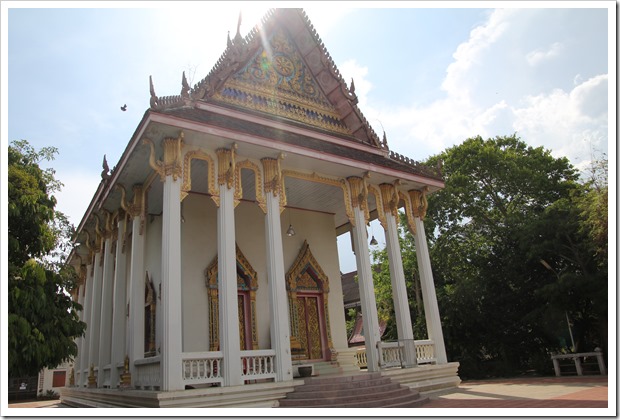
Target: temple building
208, 257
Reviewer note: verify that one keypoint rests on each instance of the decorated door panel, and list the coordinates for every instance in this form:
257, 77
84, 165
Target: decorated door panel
247, 284
308, 290
310, 331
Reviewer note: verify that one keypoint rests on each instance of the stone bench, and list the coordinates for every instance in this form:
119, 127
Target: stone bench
598, 353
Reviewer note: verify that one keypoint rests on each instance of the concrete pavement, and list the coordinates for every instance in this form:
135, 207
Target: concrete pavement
552, 392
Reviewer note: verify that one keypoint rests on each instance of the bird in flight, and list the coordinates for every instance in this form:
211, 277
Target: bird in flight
124, 107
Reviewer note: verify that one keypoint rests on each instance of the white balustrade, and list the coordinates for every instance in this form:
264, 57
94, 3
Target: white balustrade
425, 351
147, 373
258, 364
202, 367
390, 354
106, 376
360, 356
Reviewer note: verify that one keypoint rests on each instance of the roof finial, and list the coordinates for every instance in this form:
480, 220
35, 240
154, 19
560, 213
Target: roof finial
238, 38
239, 25
384, 143
352, 87
185, 87
106, 169
154, 99
228, 41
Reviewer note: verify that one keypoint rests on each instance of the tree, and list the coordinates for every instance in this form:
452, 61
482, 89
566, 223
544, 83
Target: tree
43, 320
507, 207
383, 285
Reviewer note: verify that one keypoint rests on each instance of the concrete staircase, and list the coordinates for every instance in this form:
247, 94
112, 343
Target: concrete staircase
361, 390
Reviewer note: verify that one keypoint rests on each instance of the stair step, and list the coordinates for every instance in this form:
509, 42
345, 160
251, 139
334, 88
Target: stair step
361, 390
404, 401
310, 387
343, 379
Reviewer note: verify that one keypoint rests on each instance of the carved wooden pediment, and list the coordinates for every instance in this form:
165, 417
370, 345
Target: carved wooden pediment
247, 278
306, 274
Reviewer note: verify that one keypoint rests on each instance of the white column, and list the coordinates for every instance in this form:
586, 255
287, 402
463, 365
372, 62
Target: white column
136, 295
119, 308
79, 341
172, 336
367, 290
431, 309
399, 290
95, 315
105, 331
84, 365
278, 309
227, 288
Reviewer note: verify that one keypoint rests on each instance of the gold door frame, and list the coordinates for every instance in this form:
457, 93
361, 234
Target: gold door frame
306, 275
247, 281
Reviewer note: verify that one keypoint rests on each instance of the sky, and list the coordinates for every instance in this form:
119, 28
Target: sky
428, 74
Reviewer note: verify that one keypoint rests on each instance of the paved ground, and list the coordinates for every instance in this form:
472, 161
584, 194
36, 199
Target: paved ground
562, 392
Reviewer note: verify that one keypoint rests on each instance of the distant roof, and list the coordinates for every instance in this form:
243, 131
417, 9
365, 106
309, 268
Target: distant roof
350, 290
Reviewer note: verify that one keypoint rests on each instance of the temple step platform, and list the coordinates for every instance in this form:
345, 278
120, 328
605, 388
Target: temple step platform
352, 391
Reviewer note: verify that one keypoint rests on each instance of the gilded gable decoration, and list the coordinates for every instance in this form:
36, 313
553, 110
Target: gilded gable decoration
277, 81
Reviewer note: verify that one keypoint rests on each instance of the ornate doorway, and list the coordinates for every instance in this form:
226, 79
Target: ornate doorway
308, 291
247, 285
310, 334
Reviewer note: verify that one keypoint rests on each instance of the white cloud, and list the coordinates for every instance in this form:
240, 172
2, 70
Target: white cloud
468, 54
539, 55
351, 70
568, 123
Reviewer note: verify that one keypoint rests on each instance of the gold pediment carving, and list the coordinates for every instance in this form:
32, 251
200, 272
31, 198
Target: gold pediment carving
306, 273
277, 81
247, 278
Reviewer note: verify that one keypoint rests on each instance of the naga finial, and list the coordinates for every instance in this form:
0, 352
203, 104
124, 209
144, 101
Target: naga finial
154, 99
185, 87
105, 174
352, 87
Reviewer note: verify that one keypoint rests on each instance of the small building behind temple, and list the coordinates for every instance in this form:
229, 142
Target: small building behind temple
208, 257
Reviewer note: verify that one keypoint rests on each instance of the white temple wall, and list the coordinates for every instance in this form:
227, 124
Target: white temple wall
250, 237
318, 229
152, 264
127, 284
198, 248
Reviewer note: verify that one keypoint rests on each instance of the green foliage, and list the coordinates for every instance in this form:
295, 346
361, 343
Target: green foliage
505, 208
383, 286
42, 320
518, 245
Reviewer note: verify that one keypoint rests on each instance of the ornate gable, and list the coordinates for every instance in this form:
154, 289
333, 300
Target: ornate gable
277, 81
281, 69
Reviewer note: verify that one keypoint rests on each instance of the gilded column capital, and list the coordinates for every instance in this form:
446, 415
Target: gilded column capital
359, 195
273, 176
408, 211
226, 166
172, 163
419, 203
390, 199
